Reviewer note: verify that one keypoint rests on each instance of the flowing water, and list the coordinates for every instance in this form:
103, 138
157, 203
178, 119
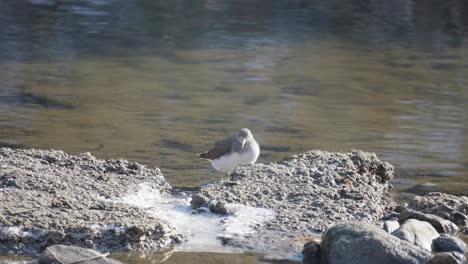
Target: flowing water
158, 81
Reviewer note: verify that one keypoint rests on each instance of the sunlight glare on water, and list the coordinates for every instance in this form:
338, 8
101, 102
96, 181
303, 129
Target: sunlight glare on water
159, 81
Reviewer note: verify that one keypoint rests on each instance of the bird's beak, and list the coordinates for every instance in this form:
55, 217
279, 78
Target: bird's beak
243, 142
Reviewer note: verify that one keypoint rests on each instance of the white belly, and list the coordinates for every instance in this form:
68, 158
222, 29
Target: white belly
228, 163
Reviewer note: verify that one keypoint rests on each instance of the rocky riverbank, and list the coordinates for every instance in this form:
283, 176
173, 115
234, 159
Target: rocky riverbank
412, 237
307, 192
49, 197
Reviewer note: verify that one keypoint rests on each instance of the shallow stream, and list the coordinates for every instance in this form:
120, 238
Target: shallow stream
158, 81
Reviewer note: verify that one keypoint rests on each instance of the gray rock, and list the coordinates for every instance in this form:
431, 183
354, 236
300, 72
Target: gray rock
446, 243
49, 197
450, 207
58, 254
308, 192
360, 243
198, 201
465, 230
419, 233
440, 224
448, 258
311, 253
459, 218
391, 225
218, 207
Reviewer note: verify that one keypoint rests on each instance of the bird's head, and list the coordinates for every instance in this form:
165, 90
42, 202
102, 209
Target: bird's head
245, 132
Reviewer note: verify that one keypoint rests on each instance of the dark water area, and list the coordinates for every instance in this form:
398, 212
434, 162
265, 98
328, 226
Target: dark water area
158, 81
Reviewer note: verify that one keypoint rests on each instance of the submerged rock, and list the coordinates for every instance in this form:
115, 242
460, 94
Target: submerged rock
49, 197
358, 243
419, 233
308, 192
58, 254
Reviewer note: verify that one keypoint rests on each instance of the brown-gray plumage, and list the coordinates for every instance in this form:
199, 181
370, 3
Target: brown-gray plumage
239, 148
233, 143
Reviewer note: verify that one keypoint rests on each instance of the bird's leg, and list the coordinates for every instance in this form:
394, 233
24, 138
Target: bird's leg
228, 181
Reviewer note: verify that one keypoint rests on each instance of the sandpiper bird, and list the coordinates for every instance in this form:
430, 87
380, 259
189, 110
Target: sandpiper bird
239, 148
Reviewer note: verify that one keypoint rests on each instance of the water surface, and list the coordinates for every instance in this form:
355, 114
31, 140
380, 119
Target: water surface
158, 81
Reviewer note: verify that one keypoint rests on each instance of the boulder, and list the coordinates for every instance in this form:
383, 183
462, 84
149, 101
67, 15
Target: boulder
49, 197
440, 224
59, 254
308, 192
446, 243
360, 243
417, 232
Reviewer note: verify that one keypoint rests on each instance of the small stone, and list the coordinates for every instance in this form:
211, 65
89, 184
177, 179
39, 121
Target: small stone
311, 253
440, 224
459, 218
54, 237
218, 207
391, 225
446, 243
198, 200
417, 232
400, 208
465, 230
71, 254
448, 258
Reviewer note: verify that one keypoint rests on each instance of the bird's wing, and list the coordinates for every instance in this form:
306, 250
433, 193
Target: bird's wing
229, 144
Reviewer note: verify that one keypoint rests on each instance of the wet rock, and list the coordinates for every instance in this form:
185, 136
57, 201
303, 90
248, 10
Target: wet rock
459, 218
450, 207
218, 207
391, 225
440, 224
309, 191
448, 258
360, 243
198, 201
465, 230
58, 254
49, 197
400, 208
311, 253
417, 232
446, 243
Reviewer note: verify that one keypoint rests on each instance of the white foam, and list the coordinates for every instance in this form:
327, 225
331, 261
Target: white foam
201, 229
244, 218
9, 232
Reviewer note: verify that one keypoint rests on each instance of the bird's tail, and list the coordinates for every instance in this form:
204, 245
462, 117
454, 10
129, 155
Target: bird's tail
202, 155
